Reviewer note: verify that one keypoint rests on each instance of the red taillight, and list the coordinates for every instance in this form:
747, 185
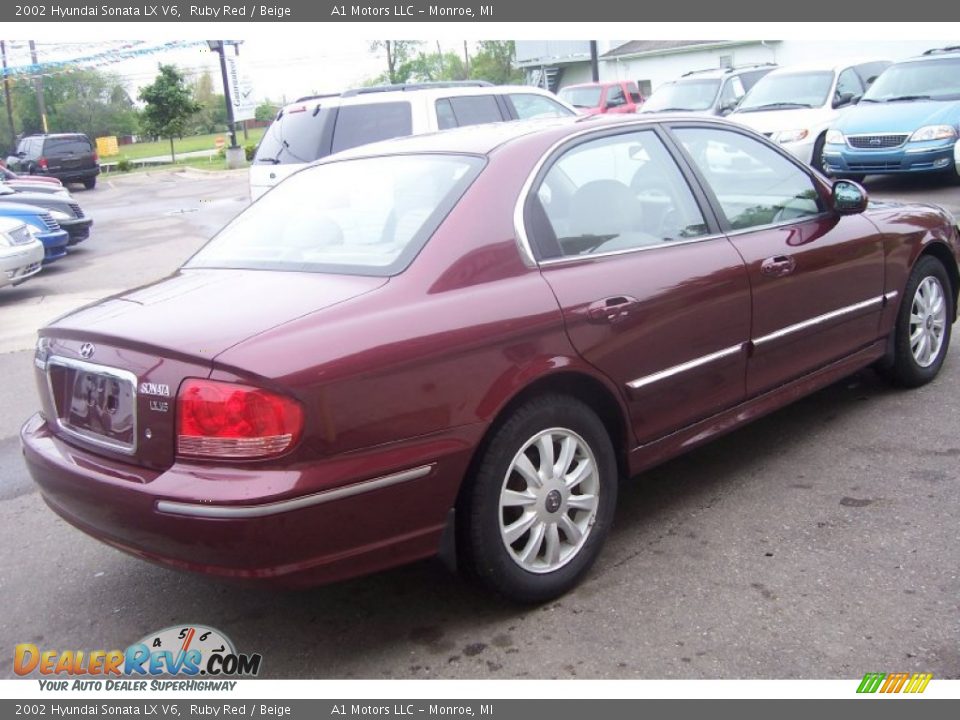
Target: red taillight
42, 162
96, 158
228, 420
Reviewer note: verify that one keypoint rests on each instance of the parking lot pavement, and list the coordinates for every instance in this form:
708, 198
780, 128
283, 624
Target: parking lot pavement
819, 542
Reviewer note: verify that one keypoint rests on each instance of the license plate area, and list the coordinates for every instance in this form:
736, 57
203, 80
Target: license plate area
94, 403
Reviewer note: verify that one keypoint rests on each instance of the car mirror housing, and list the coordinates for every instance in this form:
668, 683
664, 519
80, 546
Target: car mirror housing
849, 198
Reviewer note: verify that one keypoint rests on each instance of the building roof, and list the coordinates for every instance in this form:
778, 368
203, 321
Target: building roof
636, 48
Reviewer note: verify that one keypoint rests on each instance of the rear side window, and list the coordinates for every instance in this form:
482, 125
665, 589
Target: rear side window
296, 136
364, 124
74, 145
470, 110
529, 106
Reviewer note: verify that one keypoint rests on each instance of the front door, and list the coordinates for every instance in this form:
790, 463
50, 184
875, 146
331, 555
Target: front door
817, 277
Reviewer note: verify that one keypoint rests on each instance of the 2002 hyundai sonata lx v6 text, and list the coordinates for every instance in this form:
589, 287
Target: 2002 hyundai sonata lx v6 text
458, 343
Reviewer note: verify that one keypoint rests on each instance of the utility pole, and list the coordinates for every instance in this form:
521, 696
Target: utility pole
38, 84
466, 58
236, 51
234, 152
6, 92
594, 61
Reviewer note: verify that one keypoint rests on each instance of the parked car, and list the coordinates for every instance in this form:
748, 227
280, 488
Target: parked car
314, 127
907, 122
457, 343
796, 105
8, 175
597, 98
30, 186
21, 254
715, 91
54, 238
68, 157
64, 209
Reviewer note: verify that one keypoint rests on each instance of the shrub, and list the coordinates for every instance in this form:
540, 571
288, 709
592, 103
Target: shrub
124, 164
250, 149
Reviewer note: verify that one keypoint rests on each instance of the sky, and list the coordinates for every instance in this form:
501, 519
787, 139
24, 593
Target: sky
278, 68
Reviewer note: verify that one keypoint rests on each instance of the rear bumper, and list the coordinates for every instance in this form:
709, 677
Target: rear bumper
212, 520
935, 156
75, 175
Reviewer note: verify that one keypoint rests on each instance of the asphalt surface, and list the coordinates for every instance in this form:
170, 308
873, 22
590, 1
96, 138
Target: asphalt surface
819, 542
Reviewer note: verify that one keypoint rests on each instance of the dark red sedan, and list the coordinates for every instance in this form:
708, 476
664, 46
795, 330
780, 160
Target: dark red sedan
459, 343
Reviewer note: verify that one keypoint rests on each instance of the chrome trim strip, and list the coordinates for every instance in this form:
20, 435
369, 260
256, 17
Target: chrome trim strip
683, 367
790, 329
566, 259
890, 295
84, 366
242, 512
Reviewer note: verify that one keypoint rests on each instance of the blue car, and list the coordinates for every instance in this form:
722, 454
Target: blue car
48, 231
908, 121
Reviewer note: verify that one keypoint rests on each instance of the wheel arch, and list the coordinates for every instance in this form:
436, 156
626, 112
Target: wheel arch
943, 253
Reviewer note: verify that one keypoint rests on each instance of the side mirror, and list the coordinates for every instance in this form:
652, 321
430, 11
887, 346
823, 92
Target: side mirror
843, 99
849, 198
728, 107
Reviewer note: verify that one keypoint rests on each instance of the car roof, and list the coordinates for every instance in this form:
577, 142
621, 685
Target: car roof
484, 139
952, 51
822, 66
56, 135
711, 73
383, 94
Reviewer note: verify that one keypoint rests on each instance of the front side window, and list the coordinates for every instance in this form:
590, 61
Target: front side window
369, 216
467, 110
612, 194
371, 122
848, 83
615, 96
753, 183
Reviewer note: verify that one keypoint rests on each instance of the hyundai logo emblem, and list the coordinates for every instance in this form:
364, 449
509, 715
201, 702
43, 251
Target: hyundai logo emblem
87, 350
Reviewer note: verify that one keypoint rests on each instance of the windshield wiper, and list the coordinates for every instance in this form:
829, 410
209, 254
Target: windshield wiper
907, 97
770, 106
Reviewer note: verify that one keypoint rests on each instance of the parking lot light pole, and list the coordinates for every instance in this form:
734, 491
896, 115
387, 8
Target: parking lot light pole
235, 157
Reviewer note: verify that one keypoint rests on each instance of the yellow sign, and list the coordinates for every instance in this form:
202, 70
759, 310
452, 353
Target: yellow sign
107, 146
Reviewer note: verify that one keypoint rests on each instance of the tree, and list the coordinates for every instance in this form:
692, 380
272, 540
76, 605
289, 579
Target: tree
265, 111
212, 116
86, 101
399, 57
434, 67
494, 62
169, 105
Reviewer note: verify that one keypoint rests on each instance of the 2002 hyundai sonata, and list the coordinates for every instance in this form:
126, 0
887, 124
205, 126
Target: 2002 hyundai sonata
458, 343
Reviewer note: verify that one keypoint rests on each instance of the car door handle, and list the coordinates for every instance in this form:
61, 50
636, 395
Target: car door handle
778, 266
612, 309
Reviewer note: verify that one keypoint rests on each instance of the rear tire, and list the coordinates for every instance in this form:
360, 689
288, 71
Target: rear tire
923, 327
541, 502
90, 184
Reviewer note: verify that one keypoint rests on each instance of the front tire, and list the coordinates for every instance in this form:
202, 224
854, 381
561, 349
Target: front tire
817, 159
541, 502
924, 324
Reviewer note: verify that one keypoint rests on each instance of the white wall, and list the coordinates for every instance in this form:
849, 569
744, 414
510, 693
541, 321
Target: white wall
662, 68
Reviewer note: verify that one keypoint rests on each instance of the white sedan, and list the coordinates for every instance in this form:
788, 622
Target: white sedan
21, 253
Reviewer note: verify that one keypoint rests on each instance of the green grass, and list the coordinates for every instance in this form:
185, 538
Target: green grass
187, 144
211, 163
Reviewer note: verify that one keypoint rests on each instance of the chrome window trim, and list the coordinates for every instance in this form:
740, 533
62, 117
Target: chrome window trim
683, 367
566, 259
523, 240
242, 512
819, 319
85, 366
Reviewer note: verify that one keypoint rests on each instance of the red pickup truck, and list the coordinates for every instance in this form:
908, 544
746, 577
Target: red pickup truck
621, 96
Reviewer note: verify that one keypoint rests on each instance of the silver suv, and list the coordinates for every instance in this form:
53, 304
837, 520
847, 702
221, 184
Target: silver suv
320, 125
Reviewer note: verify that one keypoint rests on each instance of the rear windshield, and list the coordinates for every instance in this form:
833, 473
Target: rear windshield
76, 145
369, 216
924, 80
295, 136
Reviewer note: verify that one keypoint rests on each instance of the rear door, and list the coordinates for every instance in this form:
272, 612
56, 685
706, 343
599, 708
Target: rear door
817, 276
651, 293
